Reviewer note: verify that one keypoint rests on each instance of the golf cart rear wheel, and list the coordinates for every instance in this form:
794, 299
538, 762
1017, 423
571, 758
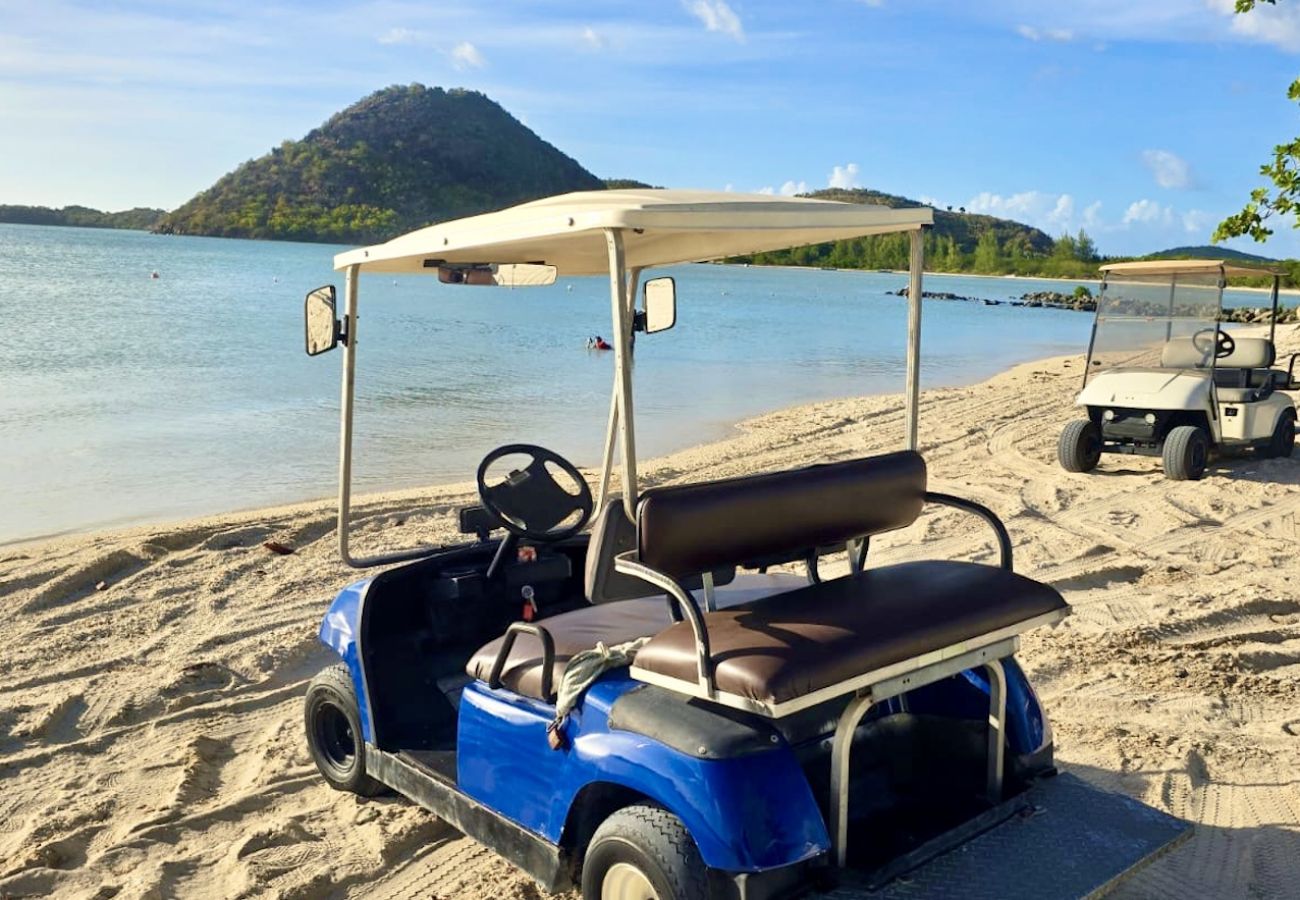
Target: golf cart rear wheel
334, 738
1079, 449
1186, 453
1283, 441
643, 853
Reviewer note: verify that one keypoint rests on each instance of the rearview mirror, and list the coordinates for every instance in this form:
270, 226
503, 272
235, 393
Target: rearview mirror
323, 326
659, 305
503, 275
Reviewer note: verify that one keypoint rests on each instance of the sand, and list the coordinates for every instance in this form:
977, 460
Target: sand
151, 680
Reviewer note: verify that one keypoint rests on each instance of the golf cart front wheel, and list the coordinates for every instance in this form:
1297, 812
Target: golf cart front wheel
643, 853
333, 722
1186, 453
1079, 449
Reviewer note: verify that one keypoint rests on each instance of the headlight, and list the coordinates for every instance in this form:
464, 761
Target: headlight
1108, 415
1150, 418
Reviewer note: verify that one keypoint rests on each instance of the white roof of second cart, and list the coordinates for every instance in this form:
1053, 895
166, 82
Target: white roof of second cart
660, 227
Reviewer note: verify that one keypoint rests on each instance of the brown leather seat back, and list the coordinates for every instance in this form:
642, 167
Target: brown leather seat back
693, 528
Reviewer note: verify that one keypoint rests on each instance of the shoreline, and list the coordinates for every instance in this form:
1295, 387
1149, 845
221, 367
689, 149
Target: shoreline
152, 682
716, 432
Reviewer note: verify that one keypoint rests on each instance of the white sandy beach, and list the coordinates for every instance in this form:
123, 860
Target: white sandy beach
151, 679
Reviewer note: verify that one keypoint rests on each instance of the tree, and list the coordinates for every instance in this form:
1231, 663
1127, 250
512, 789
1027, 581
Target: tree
1283, 170
988, 255
1085, 250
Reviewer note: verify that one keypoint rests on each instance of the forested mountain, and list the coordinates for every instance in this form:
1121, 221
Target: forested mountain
139, 218
401, 158
959, 242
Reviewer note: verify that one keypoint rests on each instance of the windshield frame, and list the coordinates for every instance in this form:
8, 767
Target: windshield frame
1206, 317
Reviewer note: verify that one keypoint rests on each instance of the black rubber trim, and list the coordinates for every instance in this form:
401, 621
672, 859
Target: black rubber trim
537, 856
690, 726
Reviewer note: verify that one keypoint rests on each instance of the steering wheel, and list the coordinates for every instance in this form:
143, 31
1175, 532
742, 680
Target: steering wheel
529, 502
1222, 342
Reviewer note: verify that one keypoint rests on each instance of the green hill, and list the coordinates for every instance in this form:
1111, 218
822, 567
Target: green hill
399, 159
958, 242
139, 218
1209, 251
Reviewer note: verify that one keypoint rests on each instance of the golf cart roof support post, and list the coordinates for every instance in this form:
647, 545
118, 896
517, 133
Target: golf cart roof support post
1272, 323
1169, 325
611, 432
350, 282
622, 364
914, 297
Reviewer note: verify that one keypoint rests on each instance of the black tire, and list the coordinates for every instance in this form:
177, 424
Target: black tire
651, 841
1283, 441
1186, 453
1079, 449
334, 738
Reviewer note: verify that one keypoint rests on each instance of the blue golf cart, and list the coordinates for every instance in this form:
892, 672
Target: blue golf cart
629, 692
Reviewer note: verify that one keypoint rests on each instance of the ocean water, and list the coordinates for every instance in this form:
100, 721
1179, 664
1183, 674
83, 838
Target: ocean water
127, 399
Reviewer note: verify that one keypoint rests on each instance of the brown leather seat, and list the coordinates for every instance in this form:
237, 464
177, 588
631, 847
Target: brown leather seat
784, 647
610, 623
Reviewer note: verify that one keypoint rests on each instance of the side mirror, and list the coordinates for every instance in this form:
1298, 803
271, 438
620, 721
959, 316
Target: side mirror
503, 275
659, 306
323, 327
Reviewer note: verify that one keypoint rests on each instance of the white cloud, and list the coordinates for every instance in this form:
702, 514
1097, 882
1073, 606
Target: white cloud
1278, 25
1147, 212
1051, 212
1062, 215
790, 188
592, 39
1198, 222
400, 36
766, 190
466, 56
1030, 33
845, 176
927, 200
717, 16
1169, 169
1092, 215
874, 4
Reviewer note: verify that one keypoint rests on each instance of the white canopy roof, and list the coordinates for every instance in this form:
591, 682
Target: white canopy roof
1186, 267
661, 227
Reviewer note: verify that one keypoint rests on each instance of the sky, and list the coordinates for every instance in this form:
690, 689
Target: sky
1142, 122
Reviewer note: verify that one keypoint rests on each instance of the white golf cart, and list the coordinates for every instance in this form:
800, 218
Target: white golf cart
1163, 378
642, 709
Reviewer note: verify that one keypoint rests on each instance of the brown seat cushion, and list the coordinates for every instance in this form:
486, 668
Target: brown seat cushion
784, 647
611, 623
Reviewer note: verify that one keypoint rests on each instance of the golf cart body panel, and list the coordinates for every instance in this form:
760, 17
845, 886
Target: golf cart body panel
905, 739
340, 630
1149, 389
746, 813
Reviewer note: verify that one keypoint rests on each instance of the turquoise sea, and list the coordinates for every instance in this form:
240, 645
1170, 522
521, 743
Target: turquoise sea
126, 399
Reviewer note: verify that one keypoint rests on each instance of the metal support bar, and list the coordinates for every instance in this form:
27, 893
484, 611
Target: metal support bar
841, 750
912, 398
710, 597
611, 431
623, 364
853, 548
627, 564
508, 643
350, 291
988, 515
989, 658
997, 728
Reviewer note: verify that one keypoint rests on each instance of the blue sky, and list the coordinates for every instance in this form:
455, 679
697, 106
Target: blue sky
1143, 122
